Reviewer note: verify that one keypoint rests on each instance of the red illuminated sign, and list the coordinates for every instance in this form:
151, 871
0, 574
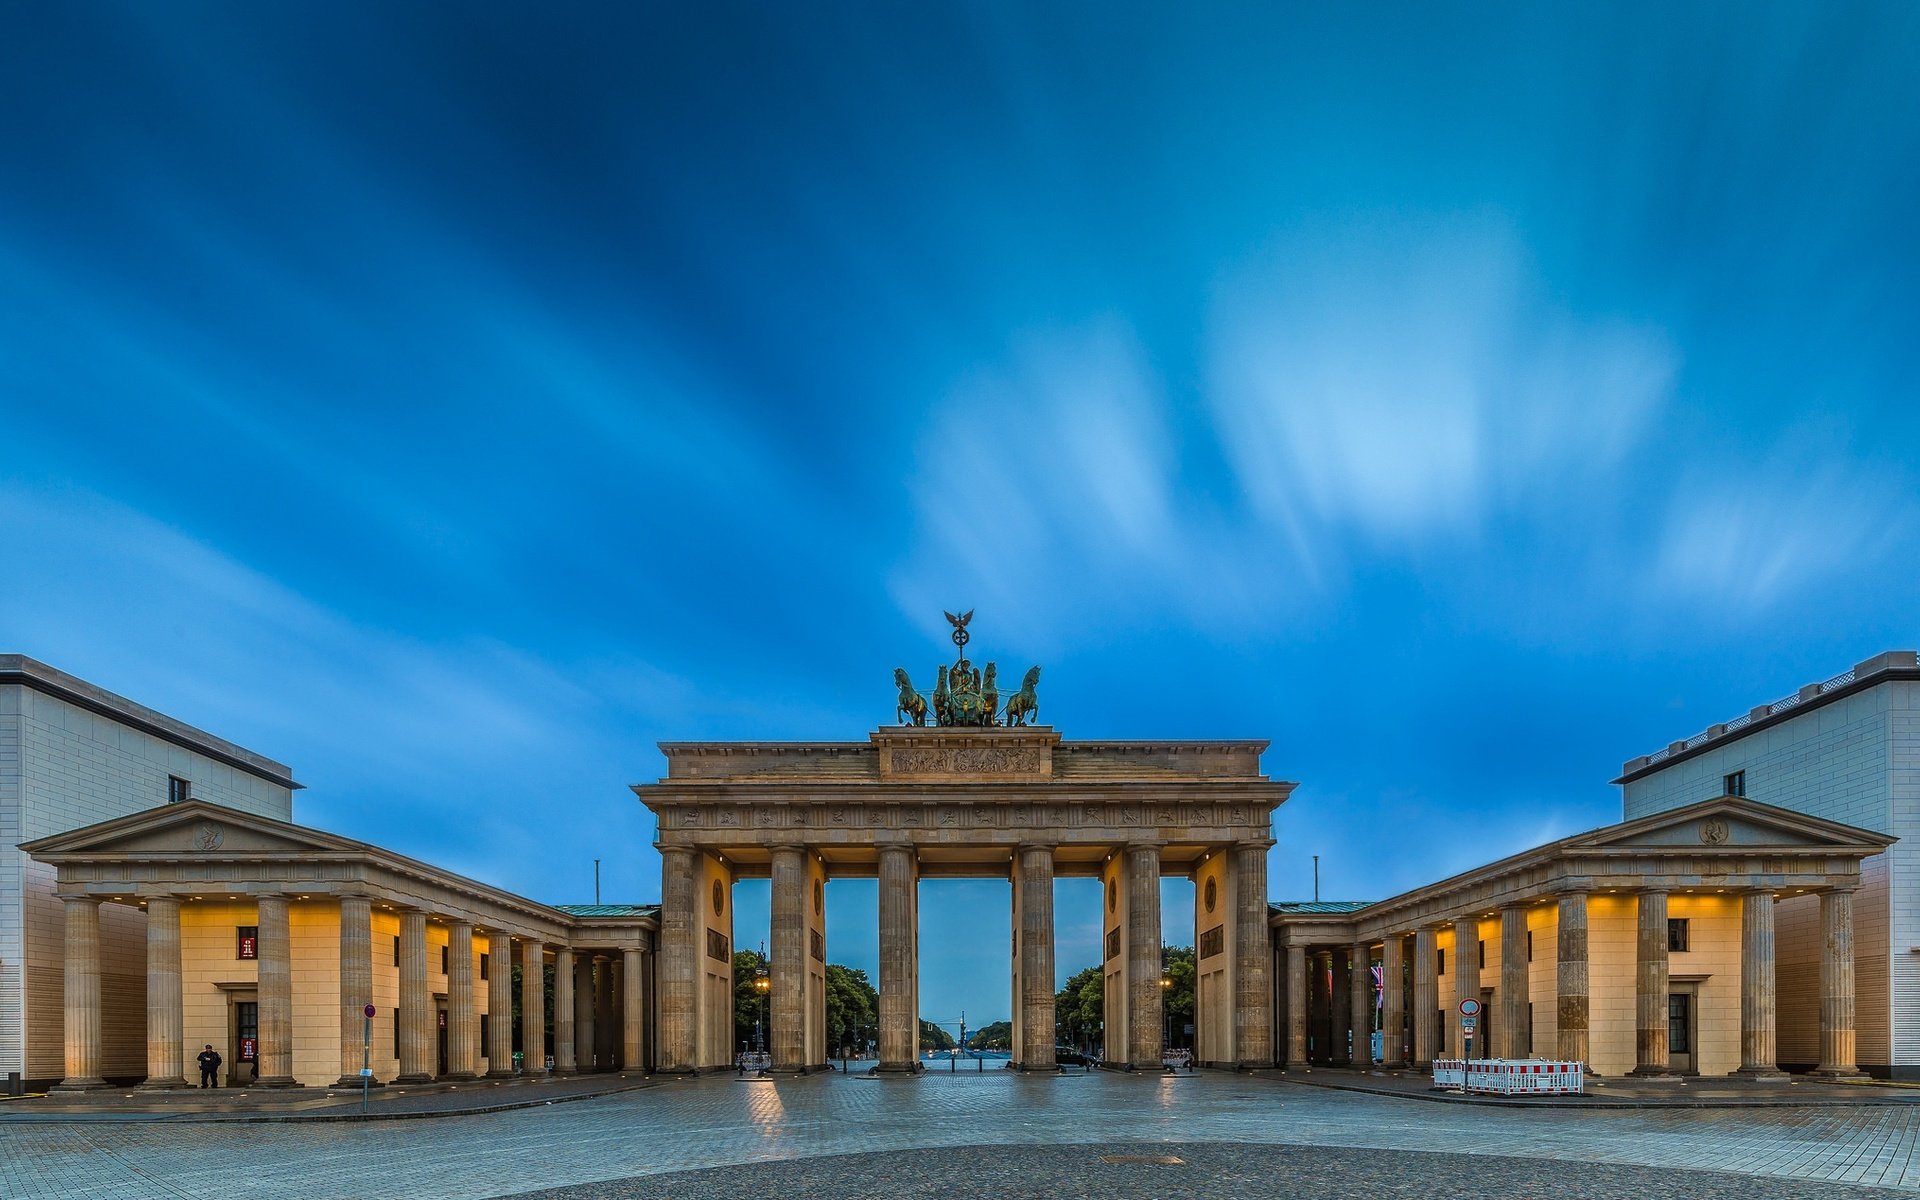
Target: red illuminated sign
249, 1049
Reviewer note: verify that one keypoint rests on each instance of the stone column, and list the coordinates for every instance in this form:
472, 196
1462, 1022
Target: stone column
787, 961
899, 959
1758, 1008
1296, 1007
533, 1008
499, 1005
1466, 971
679, 959
563, 1013
1515, 1037
1035, 881
1145, 1002
633, 1013
82, 998
606, 1012
1339, 1009
584, 1029
1837, 1051
1426, 994
1393, 1013
356, 985
463, 1050
276, 993
1650, 987
417, 1037
1572, 1004
1360, 965
1253, 957
166, 1049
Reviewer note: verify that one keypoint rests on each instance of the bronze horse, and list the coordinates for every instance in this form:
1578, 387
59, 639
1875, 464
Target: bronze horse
911, 703
1025, 702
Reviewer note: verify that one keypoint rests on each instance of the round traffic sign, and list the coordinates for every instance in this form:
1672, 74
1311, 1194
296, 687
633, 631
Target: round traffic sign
369, 1011
1469, 1007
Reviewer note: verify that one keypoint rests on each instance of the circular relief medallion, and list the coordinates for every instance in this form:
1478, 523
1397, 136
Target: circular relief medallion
1213, 893
208, 837
1713, 831
1113, 895
819, 897
719, 898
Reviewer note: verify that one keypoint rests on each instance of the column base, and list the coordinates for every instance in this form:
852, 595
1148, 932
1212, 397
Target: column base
354, 1082
1768, 1074
414, 1079
502, 1075
85, 1083
278, 1081
176, 1083
1838, 1074
905, 1068
460, 1076
1654, 1073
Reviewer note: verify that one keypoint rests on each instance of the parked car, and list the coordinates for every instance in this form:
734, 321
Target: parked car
1067, 1056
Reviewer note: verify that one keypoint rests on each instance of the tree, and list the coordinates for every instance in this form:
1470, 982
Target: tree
748, 1001
1079, 1010
997, 1036
1177, 964
853, 1009
932, 1037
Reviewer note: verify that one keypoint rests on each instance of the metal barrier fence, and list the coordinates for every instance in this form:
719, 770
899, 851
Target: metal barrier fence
1511, 1077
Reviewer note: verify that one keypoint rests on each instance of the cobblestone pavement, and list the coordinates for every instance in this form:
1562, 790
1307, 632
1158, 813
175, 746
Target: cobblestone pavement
687, 1126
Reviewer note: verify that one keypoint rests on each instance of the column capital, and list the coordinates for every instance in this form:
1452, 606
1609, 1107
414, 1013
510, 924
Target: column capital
1840, 889
1049, 847
787, 847
1262, 844
675, 850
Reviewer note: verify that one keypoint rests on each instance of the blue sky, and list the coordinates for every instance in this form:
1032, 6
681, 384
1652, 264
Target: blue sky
454, 402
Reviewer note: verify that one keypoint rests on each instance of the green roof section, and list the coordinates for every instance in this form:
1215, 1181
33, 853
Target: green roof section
609, 910
1311, 907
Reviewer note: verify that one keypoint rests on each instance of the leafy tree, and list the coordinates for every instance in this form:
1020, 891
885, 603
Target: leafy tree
853, 1009
932, 1037
997, 1036
748, 1001
1177, 963
1079, 1009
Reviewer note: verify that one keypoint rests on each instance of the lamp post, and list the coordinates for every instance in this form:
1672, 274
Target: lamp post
1166, 1016
763, 985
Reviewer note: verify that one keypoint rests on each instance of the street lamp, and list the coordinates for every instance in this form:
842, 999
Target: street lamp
1166, 1015
763, 985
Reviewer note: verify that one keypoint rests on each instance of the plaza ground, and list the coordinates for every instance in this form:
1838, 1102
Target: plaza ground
993, 1134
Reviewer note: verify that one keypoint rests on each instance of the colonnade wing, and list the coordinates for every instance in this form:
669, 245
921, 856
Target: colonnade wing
1019, 804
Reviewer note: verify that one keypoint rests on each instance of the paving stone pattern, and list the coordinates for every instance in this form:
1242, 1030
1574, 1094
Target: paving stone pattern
688, 1126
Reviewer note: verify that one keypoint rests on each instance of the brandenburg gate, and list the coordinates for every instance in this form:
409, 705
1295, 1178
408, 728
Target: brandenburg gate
965, 787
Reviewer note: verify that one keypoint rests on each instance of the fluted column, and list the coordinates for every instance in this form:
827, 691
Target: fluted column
1515, 1037
787, 960
1837, 1033
1650, 987
1466, 971
1426, 994
1253, 957
166, 1049
82, 997
463, 1050
1036, 956
633, 1013
563, 1014
679, 959
1339, 975
1145, 1003
585, 1029
1360, 980
356, 985
1573, 1006
499, 1005
899, 958
276, 993
1393, 1012
1296, 1007
418, 1040
533, 1007
1759, 1051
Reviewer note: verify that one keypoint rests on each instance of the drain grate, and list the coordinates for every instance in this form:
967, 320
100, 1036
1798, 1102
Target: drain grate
1148, 1160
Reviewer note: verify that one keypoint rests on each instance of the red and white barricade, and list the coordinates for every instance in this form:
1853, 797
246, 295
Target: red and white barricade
1511, 1077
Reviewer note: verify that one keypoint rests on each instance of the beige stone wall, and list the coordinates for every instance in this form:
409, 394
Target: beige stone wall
1543, 977
1612, 938
1796, 964
816, 919
1448, 1044
1711, 963
386, 992
714, 977
212, 976
1213, 990
1113, 932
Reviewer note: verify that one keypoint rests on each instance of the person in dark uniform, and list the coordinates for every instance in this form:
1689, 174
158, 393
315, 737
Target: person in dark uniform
209, 1067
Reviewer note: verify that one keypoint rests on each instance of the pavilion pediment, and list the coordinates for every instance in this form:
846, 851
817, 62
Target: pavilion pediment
193, 828
1733, 823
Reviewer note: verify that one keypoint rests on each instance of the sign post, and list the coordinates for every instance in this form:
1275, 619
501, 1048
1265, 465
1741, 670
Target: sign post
366, 1056
1469, 1021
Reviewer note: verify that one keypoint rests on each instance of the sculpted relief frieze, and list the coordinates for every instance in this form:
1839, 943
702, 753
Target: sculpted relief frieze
722, 824
964, 760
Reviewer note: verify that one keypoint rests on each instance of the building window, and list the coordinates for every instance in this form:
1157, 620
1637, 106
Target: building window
1529, 945
1483, 954
483, 966
1439, 960
443, 960
396, 1033
246, 1020
396, 949
249, 941
1734, 784
1676, 933
179, 790
484, 1028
